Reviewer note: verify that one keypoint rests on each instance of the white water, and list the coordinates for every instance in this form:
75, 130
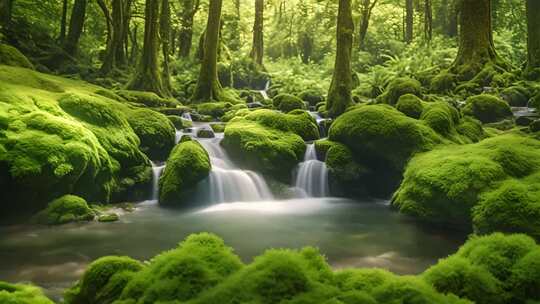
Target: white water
157, 169
312, 176
187, 116
264, 92
320, 122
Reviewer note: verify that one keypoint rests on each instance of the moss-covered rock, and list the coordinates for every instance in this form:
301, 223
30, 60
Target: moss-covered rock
22, 294
155, 131
516, 96
108, 218
179, 122
262, 148
214, 109
443, 186
13, 57
288, 102
147, 99
399, 87
312, 96
444, 82
218, 128
347, 176
441, 117
410, 105
187, 165
299, 122
487, 108
66, 209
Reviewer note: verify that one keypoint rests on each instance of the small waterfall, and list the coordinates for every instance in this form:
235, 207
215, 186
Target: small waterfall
264, 92
229, 184
157, 169
320, 123
187, 116
312, 176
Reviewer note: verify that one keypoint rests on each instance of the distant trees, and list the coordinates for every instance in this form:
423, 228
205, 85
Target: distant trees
257, 50
339, 95
116, 55
533, 45
208, 87
428, 20
165, 34
6, 8
76, 24
367, 7
185, 37
409, 20
63, 22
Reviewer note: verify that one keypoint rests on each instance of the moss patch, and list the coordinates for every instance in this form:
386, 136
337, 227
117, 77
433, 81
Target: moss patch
12, 57
287, 103
487, 108
298, 121
66, 209
22, 294
399, 87
155, 131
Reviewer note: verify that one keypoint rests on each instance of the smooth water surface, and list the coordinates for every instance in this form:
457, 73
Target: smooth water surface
350, 234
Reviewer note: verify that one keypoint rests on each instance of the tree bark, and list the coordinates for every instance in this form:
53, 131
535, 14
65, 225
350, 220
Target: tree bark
409, 20
208, 86
115, 58
257, 50
533, 41
428, 20
339, 95
367, 9
63, 22
76, 24
185, 39
147, 77
476, 46
165, 33
108, 19
6, 10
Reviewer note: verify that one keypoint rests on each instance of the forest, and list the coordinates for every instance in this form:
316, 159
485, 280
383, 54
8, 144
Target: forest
269, 151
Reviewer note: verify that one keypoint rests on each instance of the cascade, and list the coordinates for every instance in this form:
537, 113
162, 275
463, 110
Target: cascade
157, 169
312, 176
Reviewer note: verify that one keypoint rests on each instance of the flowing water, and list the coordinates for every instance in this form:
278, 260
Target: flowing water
312, 175
157, 169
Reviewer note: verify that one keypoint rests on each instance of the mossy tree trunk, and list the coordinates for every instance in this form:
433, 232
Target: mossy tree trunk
63, 22
147, 77
185, 39
6, 9
366, 10
165, 33
257, 50
428, 20
108, 20
134, 52
208, 86
76, 24
115, 57
409, 20
533, 41
339, 95
476, 47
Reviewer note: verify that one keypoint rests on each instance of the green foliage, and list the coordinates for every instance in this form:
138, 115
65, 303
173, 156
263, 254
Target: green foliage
66, 209
12, 57
487, 108
297, 121
187, 165
22, 294
410, 105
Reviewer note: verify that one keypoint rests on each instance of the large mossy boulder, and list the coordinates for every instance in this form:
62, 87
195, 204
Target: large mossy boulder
410, 105
516, 96
13, 57
261, 148
214, 109
492, 185
299, 122
288, 102
399, 87
187, 165
147, 99
66, 209
155, 131
487, 108
22, 294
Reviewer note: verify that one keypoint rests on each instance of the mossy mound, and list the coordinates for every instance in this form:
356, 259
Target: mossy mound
22, 294
410, 105
490, 269
147, 99
155, 131
399, 87
444, 82
477, 184
179, 122
214, 109
441, 117
312, 96
487, 108
516, 96
58, 137
12, 57
108, 218
299, 122
66, 209
270, 151
187, 165
288, 102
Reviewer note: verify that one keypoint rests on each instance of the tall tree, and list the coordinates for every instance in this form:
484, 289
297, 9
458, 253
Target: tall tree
108, 19
147, 77
409, 20
63, 22
476, 46
189, 9
165, 33
6, 9
257, 50
428, 20
339, 95
115, 57
533, 45
208, 86
367, 7
76, 24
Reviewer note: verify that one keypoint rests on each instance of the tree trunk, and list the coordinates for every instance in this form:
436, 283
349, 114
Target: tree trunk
113, 59
121, 53
339, 95
533, 41
134, 52
6, 9
147, 77
208, 86
428, 20
185, 39
257, 51
76, 24
452, 22
367, 8
165, 33
63, 22
409, 21
108, 19
476, 46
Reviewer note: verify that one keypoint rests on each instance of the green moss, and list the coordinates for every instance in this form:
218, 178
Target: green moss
214, 109
108, 218
443, 186
66, 209
179, 122
187, 165
218, 128
516, 96
264, 149
346, 175
524, 282
312, 96
22, 294
147, 99
12, 57
399, 87
298, 121
235, 113
487, 108
155, 132
441, 117
535, 126
471, 129
410, 105
287, 103
445, 82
